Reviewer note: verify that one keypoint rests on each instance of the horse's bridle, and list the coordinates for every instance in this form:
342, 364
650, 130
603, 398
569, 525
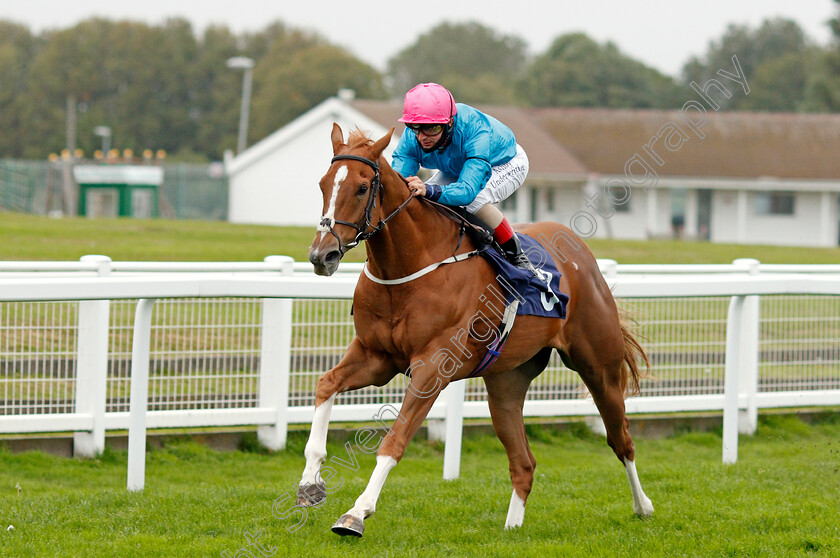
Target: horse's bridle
364, 228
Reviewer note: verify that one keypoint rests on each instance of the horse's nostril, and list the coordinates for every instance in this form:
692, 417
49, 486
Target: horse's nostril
332, 258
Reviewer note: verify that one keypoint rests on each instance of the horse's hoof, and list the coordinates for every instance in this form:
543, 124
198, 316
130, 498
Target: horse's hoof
349, 525
644, 509
311, 494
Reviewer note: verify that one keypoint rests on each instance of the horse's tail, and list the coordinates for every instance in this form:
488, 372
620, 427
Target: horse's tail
634, 356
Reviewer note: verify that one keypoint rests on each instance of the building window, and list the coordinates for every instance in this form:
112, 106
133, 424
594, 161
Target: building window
774, 203
509, 204
534, 203
623, 207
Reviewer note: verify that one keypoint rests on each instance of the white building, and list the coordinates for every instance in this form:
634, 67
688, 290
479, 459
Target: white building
749, 178
752, 178
275, 181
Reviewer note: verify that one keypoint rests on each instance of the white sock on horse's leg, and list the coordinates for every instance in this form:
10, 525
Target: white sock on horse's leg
642, 506
316, 448
366, 503
516, 512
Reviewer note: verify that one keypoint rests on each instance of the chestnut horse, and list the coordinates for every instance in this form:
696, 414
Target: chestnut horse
433, 324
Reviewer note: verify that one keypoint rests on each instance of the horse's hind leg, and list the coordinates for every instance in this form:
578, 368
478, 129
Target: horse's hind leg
356, 370
506, 395
607, 389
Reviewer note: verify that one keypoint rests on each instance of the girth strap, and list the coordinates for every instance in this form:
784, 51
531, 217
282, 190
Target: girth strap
495, 349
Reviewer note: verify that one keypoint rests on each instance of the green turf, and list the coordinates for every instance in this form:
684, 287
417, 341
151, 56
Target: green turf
780, 499
28, 237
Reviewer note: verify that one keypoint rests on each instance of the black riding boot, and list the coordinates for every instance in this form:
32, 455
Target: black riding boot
514, 254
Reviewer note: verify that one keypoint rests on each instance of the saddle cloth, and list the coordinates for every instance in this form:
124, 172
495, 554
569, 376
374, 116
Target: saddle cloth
538, 296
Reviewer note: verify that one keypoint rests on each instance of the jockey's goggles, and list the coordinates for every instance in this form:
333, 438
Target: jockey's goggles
427, 129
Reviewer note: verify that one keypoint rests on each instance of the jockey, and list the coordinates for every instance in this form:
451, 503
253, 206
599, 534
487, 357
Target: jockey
478, 161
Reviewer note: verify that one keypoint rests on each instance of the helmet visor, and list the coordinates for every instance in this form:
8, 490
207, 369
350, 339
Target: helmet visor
426, 129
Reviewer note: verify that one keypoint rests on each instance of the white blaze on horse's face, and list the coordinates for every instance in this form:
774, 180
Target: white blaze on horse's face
340, 175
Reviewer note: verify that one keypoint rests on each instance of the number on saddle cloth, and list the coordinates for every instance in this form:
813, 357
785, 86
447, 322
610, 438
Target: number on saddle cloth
538, 295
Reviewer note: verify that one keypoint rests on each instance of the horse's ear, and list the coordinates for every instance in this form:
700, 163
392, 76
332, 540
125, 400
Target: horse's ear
380, 145
337, 138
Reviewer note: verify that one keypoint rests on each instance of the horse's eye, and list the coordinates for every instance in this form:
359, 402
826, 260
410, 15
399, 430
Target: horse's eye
362, 190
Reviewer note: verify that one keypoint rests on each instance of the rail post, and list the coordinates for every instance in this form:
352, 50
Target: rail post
92, 366
275, 360
139, 398
730, 387
454, 393
749, 350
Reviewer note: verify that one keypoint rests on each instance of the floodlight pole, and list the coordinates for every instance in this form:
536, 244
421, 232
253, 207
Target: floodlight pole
105, 133
246, 64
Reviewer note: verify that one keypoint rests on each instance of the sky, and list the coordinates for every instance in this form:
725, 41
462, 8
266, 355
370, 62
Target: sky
663, 34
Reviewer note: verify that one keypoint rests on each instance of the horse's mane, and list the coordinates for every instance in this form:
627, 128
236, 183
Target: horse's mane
359, 138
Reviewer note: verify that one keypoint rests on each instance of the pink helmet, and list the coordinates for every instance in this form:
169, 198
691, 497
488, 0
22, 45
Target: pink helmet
428, 103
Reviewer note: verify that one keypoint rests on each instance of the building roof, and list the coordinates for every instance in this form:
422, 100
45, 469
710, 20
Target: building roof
736, 144
572, 142
135, 175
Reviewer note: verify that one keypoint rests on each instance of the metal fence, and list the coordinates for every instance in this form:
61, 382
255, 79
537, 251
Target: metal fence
25, 186
189, 190
194, 191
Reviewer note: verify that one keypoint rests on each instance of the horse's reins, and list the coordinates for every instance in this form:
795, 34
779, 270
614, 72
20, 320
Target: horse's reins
364, 228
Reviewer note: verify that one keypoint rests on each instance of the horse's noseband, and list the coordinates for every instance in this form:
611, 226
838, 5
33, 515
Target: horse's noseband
364, 228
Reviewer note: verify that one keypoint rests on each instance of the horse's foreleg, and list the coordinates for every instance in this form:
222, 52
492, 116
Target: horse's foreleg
419, 398
312, 490
353, 522
356, 370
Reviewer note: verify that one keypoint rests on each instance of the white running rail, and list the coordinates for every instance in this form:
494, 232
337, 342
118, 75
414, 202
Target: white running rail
96, 281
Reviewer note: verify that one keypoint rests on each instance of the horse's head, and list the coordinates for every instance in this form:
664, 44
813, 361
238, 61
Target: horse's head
352, 191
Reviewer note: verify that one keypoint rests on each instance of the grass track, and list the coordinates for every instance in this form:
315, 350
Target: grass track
29, 237
780, 499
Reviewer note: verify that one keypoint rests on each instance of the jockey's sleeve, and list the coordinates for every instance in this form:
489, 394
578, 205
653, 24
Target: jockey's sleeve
476, 170
470, 182
406, 159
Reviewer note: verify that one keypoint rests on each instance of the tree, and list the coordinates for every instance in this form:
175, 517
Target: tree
577, 71
160, 87
218, 93
18, 48
156, 84
131, 77
474, 62
823, 90
779, 84
287, 85
776, 60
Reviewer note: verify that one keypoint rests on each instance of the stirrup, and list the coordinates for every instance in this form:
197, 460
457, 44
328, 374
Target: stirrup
518, 258
521, 261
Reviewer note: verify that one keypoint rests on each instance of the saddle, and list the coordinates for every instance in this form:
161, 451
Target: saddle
537, 294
